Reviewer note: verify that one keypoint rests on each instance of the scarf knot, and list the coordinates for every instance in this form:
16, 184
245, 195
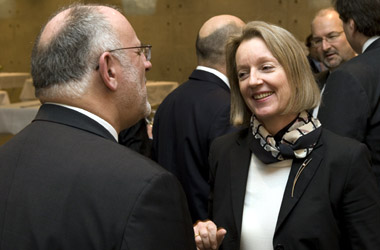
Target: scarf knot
297, 142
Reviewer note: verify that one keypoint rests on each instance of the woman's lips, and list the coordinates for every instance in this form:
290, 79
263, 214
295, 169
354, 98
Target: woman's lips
262, 95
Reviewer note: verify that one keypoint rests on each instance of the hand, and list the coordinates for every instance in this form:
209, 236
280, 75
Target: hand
207, 235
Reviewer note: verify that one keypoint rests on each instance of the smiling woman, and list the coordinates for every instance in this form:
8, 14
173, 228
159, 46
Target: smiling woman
277, 183
276, 57
263, 84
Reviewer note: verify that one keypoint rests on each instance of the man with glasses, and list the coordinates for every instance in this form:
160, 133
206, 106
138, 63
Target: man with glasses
351, 100
139, 136
329, 39
65, 182
330, 43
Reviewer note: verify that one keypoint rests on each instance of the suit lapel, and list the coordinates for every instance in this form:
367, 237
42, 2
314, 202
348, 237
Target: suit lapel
295, 187
240, 161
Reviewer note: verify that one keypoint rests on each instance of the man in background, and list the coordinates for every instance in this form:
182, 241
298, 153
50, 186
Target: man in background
330, 42
65, 182
331, 45
195, 113
351, 100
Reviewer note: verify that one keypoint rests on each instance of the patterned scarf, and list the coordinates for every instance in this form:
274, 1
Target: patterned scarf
297, 142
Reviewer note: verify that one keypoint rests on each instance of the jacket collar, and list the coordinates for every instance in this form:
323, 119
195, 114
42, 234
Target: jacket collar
372, 43
202, 75
240, 161
301, 173
72, 118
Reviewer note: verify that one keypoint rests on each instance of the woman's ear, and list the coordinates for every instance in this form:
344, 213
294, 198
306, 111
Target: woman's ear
107, 70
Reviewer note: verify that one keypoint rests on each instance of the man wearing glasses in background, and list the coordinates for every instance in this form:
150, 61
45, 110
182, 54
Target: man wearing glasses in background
65, 182
331, 44
351, 100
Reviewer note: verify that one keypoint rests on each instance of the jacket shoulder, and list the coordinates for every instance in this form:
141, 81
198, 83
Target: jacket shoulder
225, 141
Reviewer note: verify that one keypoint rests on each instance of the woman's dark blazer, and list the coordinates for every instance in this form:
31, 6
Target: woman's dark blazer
335, 202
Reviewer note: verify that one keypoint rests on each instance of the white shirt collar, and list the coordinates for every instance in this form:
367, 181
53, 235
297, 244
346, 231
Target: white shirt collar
369, 42
99, 120
215, 72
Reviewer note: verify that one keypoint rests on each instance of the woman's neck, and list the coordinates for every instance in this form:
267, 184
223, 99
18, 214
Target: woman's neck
275, 124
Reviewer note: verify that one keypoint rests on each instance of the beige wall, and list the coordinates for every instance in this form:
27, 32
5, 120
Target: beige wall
169, 25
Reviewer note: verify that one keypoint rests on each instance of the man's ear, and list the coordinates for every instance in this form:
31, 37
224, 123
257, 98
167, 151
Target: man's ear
351, 25
107, 70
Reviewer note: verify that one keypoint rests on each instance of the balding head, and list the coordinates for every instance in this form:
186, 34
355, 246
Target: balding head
218, 22
212, 38
79, 60
68, 47
53, 27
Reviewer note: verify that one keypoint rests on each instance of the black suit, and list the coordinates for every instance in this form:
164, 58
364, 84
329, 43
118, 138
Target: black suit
185, 124
314, 65
321, 78
137, 139
66, 184
335, 203
351, 101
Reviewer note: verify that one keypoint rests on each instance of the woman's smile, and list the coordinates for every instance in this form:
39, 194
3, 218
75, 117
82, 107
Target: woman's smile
262, 95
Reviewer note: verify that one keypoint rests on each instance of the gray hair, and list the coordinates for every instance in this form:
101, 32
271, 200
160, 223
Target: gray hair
62, 67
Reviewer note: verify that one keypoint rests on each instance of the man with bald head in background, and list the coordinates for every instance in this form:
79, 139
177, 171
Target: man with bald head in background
65, 182
195, 113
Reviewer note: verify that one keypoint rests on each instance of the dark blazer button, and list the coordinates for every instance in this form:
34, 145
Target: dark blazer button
279, 247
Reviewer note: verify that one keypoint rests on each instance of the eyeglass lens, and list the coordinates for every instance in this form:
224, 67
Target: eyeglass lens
330, 38
147, 52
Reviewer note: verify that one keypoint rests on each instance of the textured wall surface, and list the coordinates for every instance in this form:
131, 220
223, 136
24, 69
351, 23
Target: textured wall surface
170, 26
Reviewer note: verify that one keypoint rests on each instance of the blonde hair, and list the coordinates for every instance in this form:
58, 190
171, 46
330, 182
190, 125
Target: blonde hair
289, 53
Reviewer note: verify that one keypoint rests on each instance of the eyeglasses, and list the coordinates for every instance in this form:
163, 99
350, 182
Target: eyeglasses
330, 38
143, 49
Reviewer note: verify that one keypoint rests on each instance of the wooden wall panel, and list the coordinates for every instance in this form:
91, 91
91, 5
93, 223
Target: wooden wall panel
170, 26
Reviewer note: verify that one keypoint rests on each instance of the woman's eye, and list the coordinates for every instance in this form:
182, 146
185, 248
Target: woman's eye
267, 67
241, 75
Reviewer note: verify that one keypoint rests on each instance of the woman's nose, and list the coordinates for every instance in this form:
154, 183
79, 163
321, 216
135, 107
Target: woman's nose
255, 79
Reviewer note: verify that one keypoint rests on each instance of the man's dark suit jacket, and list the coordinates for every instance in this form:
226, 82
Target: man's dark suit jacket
137, 139
66, 184
185, 124
314, 65
351, 101
321, 78
335, 204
